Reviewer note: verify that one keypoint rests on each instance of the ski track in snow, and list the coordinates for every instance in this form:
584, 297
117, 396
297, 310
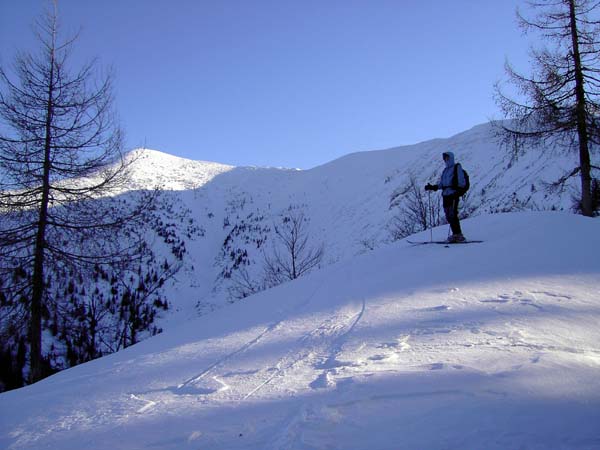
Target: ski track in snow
321, 350
314, 350
192, 385
149, 404
197, 378
325, 339
314, 345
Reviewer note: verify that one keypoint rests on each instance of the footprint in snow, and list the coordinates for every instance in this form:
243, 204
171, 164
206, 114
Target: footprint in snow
401, 344
517, 298
323, 381
194, 390
529, 302
553, 295
384, 357
442, 366
333, 363
438, 308
495, 300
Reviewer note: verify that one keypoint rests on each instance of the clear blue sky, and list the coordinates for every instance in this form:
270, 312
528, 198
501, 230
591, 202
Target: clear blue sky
292, 83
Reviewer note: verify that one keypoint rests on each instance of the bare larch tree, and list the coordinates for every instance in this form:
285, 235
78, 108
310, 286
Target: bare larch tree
417, 212
60, 150
562, 96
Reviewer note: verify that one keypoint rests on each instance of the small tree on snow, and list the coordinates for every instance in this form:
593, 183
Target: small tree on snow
295, 255
417, 211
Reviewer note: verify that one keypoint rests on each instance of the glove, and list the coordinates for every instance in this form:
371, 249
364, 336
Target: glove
431, 187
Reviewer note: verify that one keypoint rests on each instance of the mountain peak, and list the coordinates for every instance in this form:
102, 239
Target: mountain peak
153, 168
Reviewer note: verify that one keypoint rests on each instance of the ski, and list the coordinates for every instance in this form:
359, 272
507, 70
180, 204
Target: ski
443, 242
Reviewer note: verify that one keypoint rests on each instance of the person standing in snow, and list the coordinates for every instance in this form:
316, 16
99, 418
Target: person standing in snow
452, 178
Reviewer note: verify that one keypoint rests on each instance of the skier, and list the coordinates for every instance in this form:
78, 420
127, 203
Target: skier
450, 194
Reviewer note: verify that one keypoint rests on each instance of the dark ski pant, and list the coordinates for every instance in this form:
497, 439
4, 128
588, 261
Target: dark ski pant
450, 203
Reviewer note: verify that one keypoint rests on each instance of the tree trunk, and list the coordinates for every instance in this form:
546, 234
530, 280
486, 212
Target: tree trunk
581, 115
38, 283
38, 275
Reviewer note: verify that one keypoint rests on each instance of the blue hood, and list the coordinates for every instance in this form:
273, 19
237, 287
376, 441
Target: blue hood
450, 161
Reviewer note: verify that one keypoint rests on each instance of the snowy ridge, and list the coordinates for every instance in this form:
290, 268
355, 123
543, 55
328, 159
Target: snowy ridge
156, 169
350, 202
493, 346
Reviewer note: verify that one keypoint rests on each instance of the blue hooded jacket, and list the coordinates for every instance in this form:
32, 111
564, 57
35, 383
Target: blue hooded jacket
445, 182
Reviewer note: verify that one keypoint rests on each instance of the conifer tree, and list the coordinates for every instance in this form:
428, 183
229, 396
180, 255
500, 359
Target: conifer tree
60, 151
562, 96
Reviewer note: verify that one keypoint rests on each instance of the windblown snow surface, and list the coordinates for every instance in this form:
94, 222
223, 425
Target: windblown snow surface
482, 346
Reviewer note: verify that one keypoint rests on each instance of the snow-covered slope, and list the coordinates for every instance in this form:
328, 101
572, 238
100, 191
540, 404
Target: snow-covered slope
350, 202
167, 172
491, 345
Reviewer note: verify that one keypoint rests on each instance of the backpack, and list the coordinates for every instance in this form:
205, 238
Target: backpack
460, 190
